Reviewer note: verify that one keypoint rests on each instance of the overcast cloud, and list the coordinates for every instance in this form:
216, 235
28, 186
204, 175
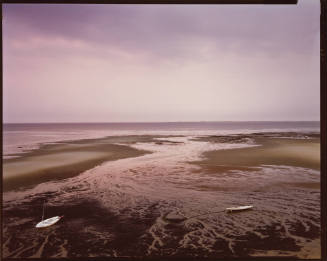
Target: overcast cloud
104, 63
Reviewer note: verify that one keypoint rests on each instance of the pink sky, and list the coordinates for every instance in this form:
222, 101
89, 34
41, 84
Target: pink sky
114, 63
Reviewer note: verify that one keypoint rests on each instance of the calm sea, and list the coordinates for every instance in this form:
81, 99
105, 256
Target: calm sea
20, 137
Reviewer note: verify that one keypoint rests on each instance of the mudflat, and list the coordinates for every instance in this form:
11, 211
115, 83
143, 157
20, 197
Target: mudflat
133, 206
283, 150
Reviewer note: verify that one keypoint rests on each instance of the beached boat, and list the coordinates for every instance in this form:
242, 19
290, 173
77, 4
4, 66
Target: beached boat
240, 208
47, 222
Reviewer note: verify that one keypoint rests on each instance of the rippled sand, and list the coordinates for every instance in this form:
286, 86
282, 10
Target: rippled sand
123, 207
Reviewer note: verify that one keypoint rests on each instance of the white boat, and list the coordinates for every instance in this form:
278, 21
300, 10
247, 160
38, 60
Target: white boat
240, 208
47, 222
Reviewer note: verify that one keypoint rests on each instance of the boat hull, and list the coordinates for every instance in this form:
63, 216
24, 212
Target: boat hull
241, 208
48, 222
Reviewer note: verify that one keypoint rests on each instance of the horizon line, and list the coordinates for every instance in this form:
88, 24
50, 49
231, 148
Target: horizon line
97, 122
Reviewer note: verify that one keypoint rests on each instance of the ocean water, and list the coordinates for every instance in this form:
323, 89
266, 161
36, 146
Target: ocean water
21, 137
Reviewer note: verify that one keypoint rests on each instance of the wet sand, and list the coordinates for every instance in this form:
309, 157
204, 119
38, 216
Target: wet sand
65, 159
122, 207
271, 150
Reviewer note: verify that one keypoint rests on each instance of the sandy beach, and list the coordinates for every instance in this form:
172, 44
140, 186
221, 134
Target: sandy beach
158, 196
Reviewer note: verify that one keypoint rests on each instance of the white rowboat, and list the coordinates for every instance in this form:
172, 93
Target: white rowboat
240, 208
48, 222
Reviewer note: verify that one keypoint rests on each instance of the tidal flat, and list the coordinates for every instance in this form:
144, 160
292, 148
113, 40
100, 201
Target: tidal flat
117, 194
